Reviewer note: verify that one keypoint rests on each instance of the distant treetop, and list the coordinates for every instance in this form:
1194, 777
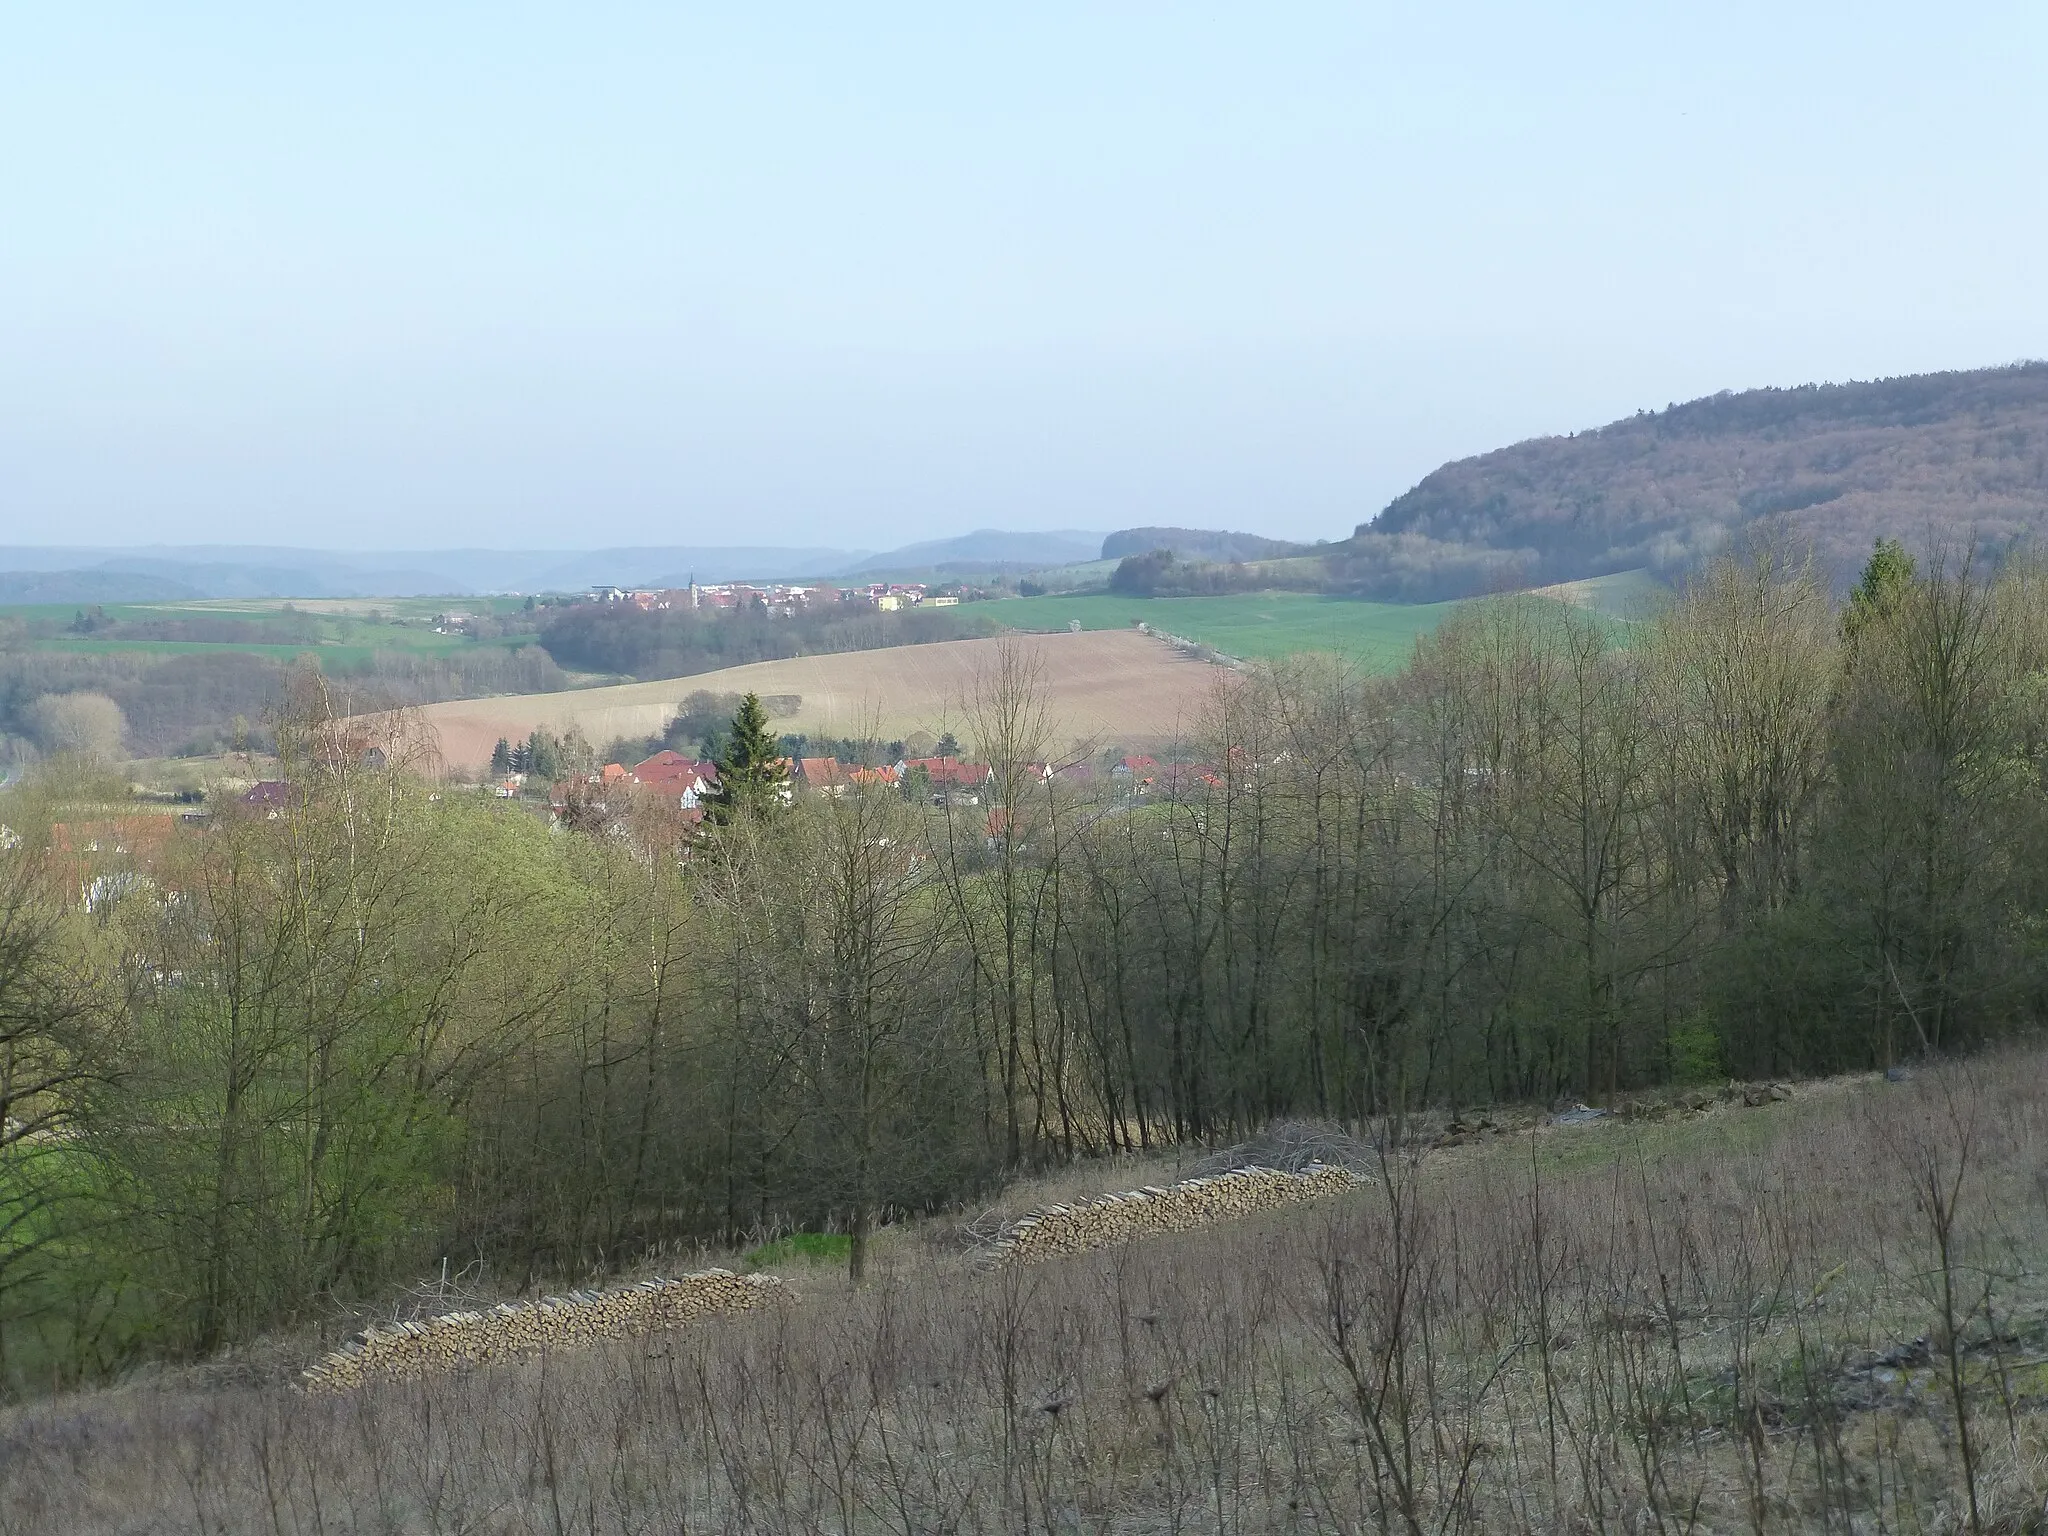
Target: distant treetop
1199, 544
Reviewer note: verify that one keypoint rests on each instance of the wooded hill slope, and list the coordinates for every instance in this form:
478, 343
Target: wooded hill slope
1946, 457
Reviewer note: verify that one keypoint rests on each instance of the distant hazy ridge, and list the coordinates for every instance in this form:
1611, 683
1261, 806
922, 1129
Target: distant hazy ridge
1947, 457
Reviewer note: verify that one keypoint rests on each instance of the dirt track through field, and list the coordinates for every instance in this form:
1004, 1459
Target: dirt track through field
1105, 687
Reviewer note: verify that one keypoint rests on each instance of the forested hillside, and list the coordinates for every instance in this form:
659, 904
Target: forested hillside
368, 1022
1955, 458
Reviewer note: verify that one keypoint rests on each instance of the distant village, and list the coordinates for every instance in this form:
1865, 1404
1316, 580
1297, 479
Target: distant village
667, 782
681, 785
779, 598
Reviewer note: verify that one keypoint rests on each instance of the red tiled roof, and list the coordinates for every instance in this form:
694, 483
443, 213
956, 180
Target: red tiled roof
665, 768
950, 770
662, 762
113, 835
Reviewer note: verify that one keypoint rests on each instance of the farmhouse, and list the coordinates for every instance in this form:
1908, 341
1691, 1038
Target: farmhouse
949, 777
668, 768
948, 772
1136, 774
821, 775
270, 797
670, 775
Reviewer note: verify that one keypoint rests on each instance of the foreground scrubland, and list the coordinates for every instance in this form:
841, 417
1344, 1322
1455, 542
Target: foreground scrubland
1825, 1313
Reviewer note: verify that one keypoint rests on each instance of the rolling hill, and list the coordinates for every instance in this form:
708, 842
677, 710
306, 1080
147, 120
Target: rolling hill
103, 585
1113, 687
1199, 544
1956, 458
247, 571
82, 574
985, 548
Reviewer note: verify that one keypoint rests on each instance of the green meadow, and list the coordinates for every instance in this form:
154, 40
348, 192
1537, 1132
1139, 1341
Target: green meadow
1252, 625
339, 632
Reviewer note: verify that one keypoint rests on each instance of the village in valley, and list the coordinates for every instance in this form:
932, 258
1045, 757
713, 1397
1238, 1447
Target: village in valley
782, 599
681, 786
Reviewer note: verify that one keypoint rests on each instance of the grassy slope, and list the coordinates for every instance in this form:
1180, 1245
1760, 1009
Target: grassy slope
1622, 595
1709, 1316
1254, 625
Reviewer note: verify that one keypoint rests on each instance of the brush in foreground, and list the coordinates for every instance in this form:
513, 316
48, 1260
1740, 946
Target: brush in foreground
454, 1340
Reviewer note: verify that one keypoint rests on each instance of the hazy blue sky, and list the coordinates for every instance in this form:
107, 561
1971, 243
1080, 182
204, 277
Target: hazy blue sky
408, 275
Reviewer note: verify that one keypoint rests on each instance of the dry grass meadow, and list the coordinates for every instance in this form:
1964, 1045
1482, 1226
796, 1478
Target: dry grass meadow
1823, 1313
1111, 687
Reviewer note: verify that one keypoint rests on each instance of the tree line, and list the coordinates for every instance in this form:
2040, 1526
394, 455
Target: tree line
624, 639
196, 704
317, 1048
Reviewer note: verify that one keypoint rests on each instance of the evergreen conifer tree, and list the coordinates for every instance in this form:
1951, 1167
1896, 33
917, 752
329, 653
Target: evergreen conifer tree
752, 772
501, 757
542, 756
1886, 576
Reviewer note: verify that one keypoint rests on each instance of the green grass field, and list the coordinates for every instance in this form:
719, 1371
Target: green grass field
1253, 625
339, 632
1629, 595
809, 1247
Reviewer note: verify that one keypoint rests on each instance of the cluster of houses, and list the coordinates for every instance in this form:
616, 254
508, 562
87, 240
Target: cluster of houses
892, 595
683, 784
953, 780
680, 783
947, 779
779, 598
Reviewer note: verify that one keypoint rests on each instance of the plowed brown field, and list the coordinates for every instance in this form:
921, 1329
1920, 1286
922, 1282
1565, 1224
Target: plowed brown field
1103, 687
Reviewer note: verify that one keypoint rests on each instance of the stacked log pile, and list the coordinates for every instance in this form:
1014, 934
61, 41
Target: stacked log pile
408, 1351
1104, 1222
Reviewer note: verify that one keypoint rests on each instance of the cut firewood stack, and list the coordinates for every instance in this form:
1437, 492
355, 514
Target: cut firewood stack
1059, 1230
408, 1351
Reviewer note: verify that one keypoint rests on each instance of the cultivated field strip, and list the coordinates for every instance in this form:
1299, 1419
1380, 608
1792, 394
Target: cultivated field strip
408, 1351
1112, 686
1059, 1230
